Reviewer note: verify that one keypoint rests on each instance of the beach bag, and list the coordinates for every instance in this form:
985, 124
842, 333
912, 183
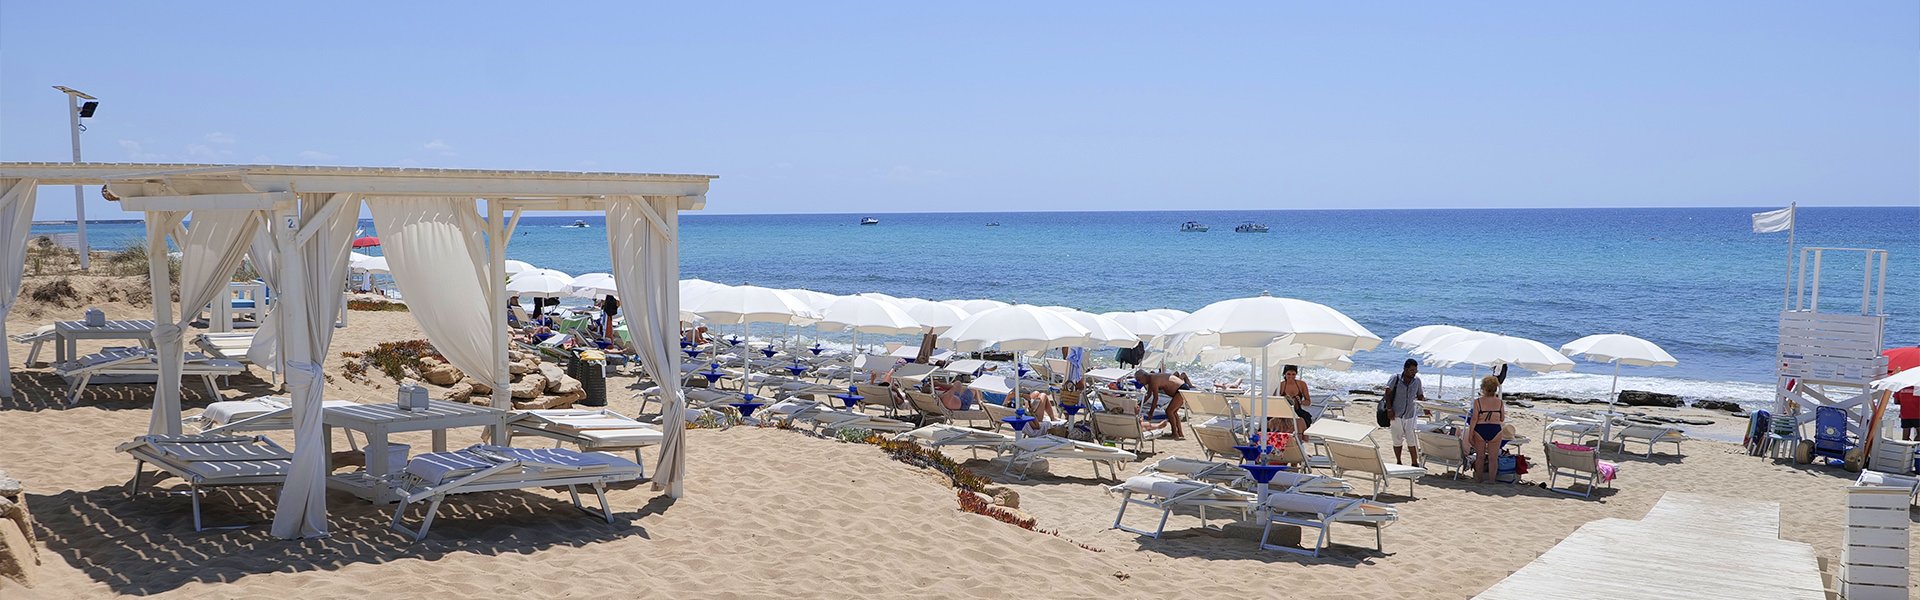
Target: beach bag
1380, 412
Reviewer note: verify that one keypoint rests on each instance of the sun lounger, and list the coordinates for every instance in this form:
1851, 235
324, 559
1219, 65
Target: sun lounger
210, 461
1029, 450
231, 346
591, 430
1891, 465
253, 414
1581, 464
930, 408
1309, 511
36, 337
1232, 475
947, 435
1650, 435
1165, 494
1124, 428
1446, 450
1363, 460
138, 365
482, 468
826, 418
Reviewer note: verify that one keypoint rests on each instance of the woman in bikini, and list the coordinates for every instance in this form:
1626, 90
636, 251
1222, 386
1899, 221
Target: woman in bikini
1297, 394
1489, 418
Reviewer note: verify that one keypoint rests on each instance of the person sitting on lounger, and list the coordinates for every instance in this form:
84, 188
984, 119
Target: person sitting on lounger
1297, 394
1040, 405
956, 396
1164, 384
1489, 418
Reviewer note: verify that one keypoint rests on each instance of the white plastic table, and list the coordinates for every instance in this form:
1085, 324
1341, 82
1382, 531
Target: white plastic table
377, 421
66, 333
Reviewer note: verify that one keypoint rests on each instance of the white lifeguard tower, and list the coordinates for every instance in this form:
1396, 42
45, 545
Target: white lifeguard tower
1827, 358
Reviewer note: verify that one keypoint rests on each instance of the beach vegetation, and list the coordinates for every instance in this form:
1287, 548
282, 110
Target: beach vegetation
397, 360
970, 488
376, 305
57, 292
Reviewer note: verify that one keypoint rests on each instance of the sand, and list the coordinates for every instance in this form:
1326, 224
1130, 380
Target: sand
778, 513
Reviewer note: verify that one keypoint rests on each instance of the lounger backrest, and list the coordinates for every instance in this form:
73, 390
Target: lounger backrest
1356, 457
1114, 400
1217, 440
925, 403
1434, 444
1117, 426
1057, 369
1584, 461
1206, 403
912, 370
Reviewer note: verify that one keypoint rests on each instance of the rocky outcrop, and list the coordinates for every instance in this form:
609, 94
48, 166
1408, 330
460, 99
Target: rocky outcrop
18, 557
440, 373
1644, 398
1726, 405
529, 387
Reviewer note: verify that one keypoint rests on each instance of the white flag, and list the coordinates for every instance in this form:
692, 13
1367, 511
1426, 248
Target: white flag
1773, 221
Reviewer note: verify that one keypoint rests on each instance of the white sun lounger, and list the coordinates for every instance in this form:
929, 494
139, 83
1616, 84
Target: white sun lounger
1027, 451
592, 430
945, 434
823, 417
36, 337
1650, 435
1232, 475
270, 413
231, 346
210, 461
1363, 460
1165, 493
484, 468
139, 363
1310, 511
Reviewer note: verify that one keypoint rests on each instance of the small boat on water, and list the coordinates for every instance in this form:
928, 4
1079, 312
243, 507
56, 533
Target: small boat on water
1250, 227
993, 224
578, 223
1193, 227
869, 221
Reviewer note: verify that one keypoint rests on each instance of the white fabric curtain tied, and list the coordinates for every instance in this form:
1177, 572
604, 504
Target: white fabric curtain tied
16, 219
435, 249
209, 254
265, 350
311, 272
646, 271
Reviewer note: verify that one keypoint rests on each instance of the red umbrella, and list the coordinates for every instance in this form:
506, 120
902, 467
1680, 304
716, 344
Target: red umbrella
1901, 359
366, 242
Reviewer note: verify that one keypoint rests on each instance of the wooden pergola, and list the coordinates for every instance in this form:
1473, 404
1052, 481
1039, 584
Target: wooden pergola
310, 211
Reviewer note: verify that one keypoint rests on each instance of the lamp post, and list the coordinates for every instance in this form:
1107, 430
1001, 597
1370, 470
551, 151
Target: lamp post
76, 111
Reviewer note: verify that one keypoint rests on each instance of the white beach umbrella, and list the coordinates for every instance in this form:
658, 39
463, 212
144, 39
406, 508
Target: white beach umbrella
355, 258
374, 264
817, 301
540, 284
1260, 321
745, 305
1436, 344
594, 284
694, 288
1897, 381
539, 272
514, 267
1142, 323
1102, 331
1618, 349
981, 305
867, 315
1413, 338
1503, 350
1017, 329
938, 316
1169, 313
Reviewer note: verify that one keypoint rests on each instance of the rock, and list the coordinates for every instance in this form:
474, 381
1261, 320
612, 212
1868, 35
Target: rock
1002, 496
551, 372
1726, 405
519, 355
1537, 397
18, 555
1693, 421
460, 392
520, 368
549, 402
1643, 398
1366, 392
9, 487
564, 385
480, 388
529, 387
441, 374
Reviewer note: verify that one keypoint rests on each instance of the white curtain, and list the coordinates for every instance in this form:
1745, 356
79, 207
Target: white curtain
314, 263
436, 250
16, 217
209, 255
264, 254
642, 236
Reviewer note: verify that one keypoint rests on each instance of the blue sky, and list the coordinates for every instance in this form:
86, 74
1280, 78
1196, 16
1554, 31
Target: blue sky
888, 106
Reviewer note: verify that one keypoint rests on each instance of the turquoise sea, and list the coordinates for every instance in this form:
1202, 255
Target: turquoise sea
1695, 280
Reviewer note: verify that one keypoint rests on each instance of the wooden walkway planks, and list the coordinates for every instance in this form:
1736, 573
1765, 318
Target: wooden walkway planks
1689, 546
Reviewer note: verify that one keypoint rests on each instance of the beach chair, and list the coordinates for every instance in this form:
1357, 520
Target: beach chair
1232, 475
1318, 512
1363, 460
1830, 438
877, 395
826, 418
1125, 428
1026, 451
481, 468
270, 413
1581, 464
930, 410
1218, 441
1201, 405
231, 346
1649, 435
944, 435
1165, 494
138, 366
37, 337
1445, 450
1784, 439
1576, 427
591, 430
204, 461
1295, 455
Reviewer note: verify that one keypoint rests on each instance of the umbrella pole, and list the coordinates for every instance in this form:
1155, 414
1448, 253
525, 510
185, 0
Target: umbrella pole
1613, 397
1260, 395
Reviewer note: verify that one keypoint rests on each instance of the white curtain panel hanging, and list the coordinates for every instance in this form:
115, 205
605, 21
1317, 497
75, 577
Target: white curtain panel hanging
210, 253
320, 263
262, 251
437, 252
643, 240
16, 217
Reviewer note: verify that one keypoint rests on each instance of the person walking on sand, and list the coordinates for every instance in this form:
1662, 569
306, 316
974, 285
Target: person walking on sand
1402, 410
1488, 419
1909, 414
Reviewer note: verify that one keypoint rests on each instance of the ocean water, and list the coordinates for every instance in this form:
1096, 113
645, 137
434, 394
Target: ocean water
1697, 281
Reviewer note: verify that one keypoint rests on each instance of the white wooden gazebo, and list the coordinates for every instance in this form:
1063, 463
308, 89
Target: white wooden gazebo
447, 257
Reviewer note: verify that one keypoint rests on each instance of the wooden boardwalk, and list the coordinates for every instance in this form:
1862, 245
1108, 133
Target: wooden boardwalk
1688, 546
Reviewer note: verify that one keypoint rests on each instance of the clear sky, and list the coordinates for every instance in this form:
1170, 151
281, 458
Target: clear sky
911, 106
